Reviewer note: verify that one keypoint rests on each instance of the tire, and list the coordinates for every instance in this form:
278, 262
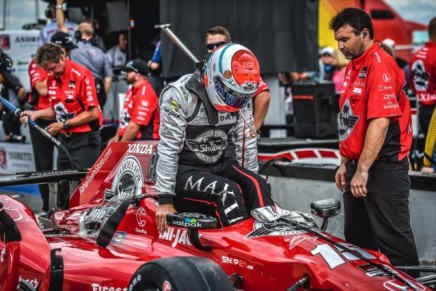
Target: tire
180, 274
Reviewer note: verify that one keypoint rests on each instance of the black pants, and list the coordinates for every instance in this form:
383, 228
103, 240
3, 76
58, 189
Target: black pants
84, 149
11, 124
101, 93
228, 191
381, 220
43, 155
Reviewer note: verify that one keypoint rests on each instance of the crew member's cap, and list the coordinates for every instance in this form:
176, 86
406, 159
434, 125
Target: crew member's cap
389, 43
138, 66
326, 50
63, 39
6, 70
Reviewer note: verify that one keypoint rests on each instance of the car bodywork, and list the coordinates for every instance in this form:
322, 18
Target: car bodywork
109, 231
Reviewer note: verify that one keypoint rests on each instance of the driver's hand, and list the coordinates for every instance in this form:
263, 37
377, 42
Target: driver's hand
161, 216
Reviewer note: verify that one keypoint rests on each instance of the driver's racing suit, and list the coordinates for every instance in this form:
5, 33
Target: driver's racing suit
192, 163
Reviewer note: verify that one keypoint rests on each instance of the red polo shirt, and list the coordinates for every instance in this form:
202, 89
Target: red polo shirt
423, 74
373, 88
73, 93
37, 74
141, 106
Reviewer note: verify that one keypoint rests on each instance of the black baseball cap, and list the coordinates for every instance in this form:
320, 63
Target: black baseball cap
63, 39
6, 70
138, 66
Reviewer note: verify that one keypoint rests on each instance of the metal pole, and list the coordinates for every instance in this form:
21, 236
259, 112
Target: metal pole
129, 34
166, 28
37, 10
4, 14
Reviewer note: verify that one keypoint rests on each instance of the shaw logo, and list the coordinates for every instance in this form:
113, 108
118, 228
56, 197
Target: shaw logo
143, 149
395, 285
209, 146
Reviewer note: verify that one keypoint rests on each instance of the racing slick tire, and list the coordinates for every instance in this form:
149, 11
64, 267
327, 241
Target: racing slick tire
180, 274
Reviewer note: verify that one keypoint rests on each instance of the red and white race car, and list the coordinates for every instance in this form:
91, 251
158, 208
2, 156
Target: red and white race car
108, 240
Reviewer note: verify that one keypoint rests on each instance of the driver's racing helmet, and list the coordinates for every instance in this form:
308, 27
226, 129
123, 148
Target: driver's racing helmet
231, 77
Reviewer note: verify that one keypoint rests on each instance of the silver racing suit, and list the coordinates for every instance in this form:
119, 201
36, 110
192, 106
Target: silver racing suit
194, 137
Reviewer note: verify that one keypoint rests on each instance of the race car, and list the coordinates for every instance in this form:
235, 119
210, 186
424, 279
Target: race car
107, 240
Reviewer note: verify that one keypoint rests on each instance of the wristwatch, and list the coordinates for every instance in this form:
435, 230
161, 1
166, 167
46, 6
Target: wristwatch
62, 6
66, 125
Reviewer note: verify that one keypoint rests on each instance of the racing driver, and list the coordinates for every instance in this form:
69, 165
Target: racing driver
201, 113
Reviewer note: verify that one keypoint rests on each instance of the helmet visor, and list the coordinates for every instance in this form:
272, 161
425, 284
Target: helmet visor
231, 97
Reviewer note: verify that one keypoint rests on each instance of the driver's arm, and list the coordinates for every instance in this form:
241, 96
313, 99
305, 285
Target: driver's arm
172, 133
245, 139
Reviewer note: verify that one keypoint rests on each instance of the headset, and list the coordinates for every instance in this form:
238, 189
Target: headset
78, 35
364, 34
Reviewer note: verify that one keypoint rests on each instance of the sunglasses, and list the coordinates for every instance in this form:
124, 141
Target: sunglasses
212, 46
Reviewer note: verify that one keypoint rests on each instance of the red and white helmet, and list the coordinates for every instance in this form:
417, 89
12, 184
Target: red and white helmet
231, 77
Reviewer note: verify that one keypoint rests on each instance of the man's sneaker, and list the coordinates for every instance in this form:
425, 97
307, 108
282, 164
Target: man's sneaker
18, 138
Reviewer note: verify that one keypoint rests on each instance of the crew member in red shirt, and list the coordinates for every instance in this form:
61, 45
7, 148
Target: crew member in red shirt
74, 104
140, 116
423, 77
374, 140
42, 146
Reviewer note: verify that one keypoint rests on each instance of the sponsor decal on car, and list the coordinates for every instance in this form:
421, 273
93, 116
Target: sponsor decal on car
99, 287
95, 169
296, 240
188, 222
176, 236
395, 285
128, 180
119, 237
34, 282
92, 219
236, 262
140, 214
372, 271
142, 149
276, 228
